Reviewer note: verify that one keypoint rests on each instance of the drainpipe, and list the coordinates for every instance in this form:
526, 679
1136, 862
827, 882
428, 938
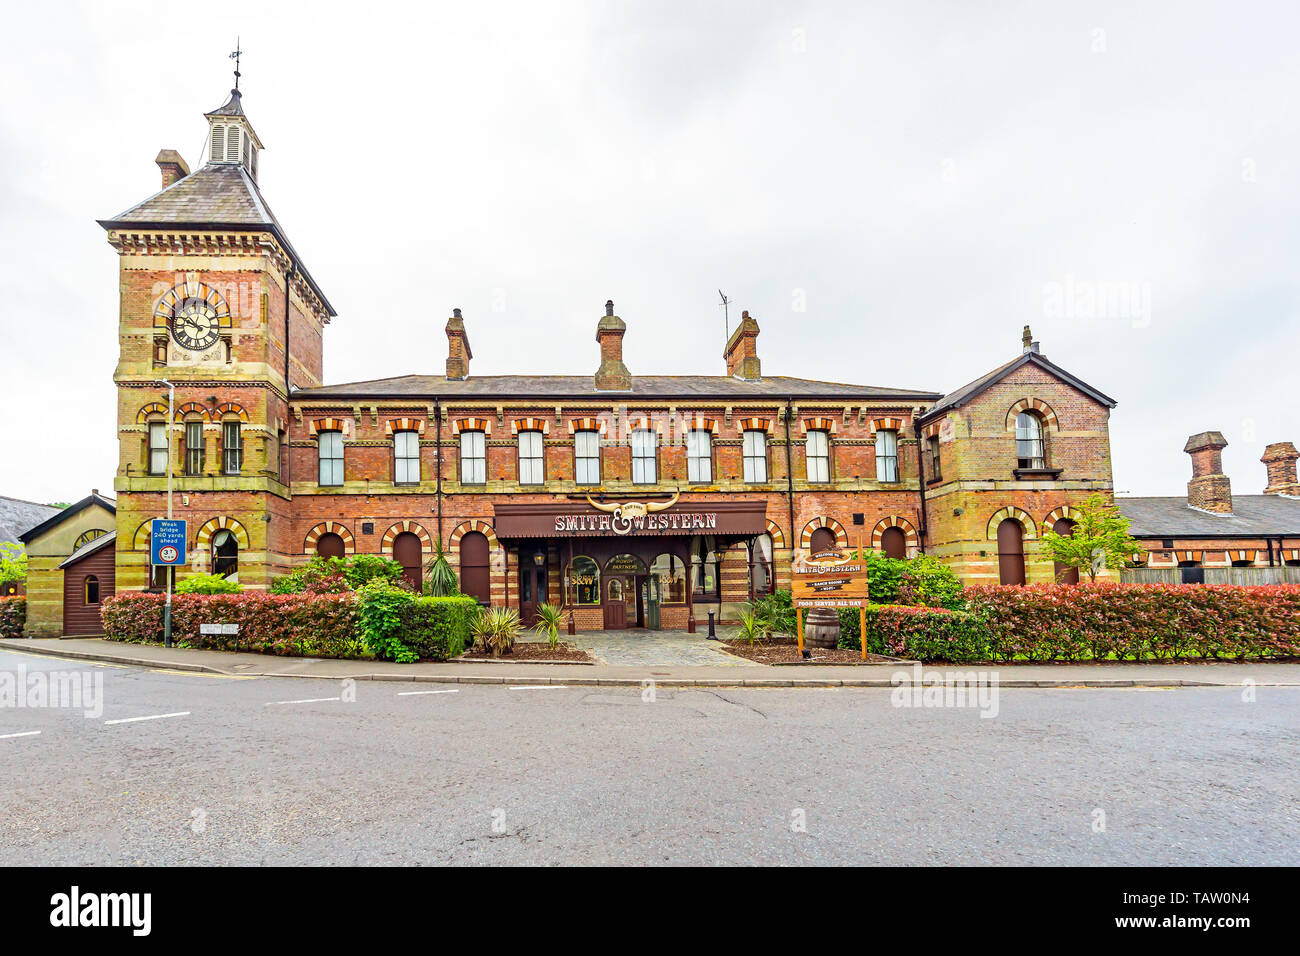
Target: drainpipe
288, 452
920, 484
437, 419
789, 469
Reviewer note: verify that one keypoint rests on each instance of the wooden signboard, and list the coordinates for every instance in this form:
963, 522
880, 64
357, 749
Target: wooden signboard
831, 579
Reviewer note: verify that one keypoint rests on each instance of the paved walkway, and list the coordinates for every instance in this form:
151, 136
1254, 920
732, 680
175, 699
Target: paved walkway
635, 648
675, 675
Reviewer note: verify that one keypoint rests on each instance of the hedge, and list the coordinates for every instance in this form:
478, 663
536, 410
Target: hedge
920, 633
13, 615
437, 628
1044, 622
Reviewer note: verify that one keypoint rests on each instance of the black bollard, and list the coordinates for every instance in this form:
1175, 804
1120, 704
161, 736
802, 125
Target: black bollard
713, 635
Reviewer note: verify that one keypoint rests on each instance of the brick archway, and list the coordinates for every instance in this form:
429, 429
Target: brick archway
1032, 405
894, 521
1011, 511
203, 540
841, 535
1056, 514
329, 527
140, 541
774, 532
386, 543
474, 524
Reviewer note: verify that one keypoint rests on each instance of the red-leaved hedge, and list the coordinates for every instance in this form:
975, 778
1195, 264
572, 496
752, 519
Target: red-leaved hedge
291, 625
1045, 622
13, 615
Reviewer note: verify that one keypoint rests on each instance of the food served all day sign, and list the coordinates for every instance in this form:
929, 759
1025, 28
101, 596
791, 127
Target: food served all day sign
830, 579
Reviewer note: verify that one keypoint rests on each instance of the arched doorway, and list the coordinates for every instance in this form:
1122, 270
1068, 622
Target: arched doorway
1011, 552
894, 544
225, 555
1065, 574
823, 539
475, 567
406, 552
330, 545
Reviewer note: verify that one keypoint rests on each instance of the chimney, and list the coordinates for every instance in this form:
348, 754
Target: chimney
741, 352
1209, 489
1027, 343
612, 374
1280, 458
458, 350
173, 166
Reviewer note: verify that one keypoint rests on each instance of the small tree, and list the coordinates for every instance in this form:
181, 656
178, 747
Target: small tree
1099, 538
442, 577
13, 562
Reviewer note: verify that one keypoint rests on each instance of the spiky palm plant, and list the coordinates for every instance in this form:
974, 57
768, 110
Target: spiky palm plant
549, 621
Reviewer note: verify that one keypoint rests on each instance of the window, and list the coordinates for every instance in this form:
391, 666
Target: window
582, 581
762, 572
755, 456
644, 449
935, 472
887, 455
818, 452
157, 448
473, 458
1029, 441
586, 455
704, 570
225, 554
92, 589
406, 457
672, 578
475, 572
330, 448
530, 458
193, 448
232, 448
699, 455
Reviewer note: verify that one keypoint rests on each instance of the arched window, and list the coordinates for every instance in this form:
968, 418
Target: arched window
330, 545
475, 567
1011, 552
672, 578
887, 456
92, 589
762, 571
823, 539
893, 542
225, 554
406, 552
704, 570
1030, 450
582, 581
1064, 573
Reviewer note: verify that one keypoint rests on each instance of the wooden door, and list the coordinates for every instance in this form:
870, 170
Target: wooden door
406, 552
1011, 552
532, 589
616, 589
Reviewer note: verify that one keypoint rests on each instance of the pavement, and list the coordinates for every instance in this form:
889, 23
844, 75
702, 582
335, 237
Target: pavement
198, 768
734, 672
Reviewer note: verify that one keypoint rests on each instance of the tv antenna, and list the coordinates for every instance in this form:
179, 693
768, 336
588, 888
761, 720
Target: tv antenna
726, 313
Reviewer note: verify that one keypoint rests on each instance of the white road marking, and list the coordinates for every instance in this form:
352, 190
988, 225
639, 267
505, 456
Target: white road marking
308, 700
25, 733
542, 687
420, 693
132, 720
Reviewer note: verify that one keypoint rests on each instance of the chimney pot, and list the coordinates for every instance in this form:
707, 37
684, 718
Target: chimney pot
172, 165
458, 350
1209, 489
1280, 460
612, 374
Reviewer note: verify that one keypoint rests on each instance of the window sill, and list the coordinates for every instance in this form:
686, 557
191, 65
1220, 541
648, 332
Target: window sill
1030, 474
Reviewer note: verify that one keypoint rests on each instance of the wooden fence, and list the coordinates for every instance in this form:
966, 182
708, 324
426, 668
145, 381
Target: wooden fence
1245, 576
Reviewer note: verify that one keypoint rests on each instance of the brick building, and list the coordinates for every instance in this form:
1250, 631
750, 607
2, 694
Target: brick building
632, 499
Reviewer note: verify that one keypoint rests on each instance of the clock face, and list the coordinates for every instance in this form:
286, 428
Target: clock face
195, 325
194, 313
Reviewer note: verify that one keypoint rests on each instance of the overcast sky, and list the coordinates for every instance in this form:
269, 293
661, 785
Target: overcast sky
893, 191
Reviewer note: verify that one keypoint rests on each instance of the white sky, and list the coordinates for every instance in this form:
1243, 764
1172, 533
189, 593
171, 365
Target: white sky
927, 178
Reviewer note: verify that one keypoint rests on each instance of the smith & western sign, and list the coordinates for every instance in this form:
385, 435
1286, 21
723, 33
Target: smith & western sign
831, 579
615, 519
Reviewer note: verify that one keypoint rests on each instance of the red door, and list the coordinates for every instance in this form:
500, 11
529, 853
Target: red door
406, 552
1011, 552
616, 589
1065, 575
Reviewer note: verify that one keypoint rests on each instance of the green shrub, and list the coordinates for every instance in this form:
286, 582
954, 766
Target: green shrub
496, 629
382, 612
206, 584
437, 628
775, 613
925, 581
441, 581
922, 633
338, 575
13, 616
549, 621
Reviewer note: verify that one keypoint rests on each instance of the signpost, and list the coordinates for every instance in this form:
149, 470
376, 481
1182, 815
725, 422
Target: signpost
835, 580
167, 550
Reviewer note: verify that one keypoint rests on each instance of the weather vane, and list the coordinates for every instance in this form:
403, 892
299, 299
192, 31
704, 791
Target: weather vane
235, 56
726, 313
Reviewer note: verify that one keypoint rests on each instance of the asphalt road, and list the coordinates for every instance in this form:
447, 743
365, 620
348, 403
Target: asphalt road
261, 770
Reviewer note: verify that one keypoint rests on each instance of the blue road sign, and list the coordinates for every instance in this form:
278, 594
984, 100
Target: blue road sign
167, 541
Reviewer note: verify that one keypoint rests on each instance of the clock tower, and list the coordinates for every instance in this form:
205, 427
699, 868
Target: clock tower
215, 301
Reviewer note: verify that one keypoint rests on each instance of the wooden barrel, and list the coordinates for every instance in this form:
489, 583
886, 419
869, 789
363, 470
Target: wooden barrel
821, 627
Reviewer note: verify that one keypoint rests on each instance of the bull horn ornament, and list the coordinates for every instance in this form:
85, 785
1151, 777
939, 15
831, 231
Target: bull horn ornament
627, 511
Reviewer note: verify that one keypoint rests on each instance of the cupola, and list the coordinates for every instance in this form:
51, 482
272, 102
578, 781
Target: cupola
231, 139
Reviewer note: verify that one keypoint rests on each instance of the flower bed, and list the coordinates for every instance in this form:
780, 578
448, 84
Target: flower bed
13, 615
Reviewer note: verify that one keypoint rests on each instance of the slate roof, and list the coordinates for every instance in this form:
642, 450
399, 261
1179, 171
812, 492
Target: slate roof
1253, 516
61, 516
217, 196
89, 548
771, 388
970, 390
16, 516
